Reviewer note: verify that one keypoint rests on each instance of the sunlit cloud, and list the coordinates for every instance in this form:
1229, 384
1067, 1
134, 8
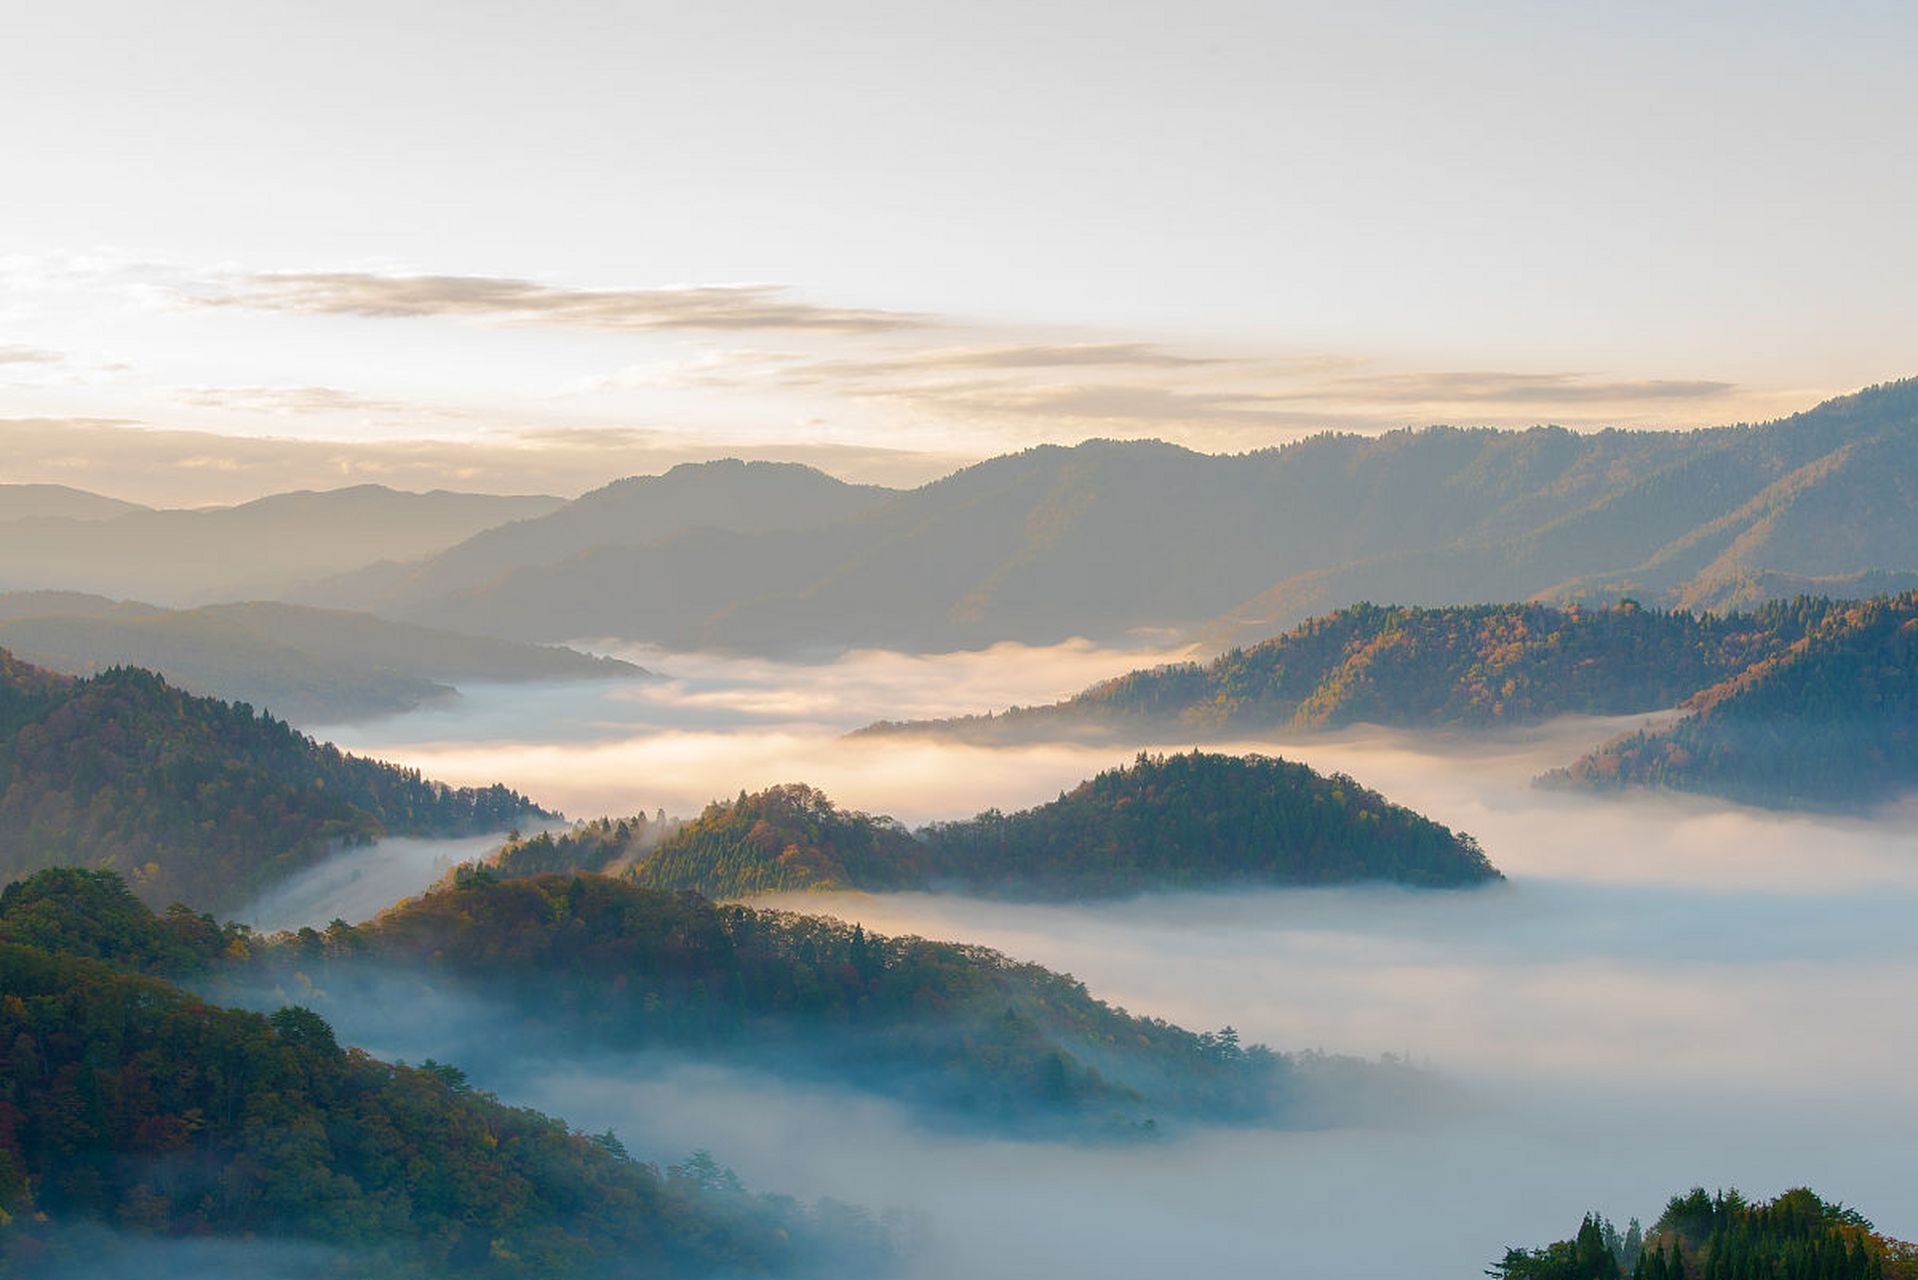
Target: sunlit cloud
29, 355
695, 307
1476, 387
301, 401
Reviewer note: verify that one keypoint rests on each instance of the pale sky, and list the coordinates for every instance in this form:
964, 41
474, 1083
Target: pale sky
245, 246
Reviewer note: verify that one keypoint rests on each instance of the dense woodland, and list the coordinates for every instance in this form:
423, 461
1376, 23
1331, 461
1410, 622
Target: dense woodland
784, 838
1188, 821
1701, 1236
127, 1102
1201, 820
1830, 721
194, 799
961, 1033
1456, 667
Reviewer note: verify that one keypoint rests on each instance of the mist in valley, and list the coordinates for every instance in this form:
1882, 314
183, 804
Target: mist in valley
1665, 991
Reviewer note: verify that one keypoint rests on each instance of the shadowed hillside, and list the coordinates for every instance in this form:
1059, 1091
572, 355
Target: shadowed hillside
1462, 667
126, 1103
1181, 822
195, 799
1829, 722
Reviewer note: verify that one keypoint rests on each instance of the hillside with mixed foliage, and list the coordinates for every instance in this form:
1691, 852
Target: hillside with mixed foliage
961, 1034
1192, 821
783, 838
194, 799
1197, 821
1830, 721
1457, 667
1701, 1236
128, 1103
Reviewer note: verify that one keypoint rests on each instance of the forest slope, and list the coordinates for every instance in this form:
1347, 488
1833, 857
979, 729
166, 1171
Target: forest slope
129, 1104
1723, 1237
1193, 821
192, 798
961, 1034
1459, 667
1829, 722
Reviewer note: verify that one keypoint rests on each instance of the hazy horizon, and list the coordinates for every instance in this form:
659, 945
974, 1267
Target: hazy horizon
444, 246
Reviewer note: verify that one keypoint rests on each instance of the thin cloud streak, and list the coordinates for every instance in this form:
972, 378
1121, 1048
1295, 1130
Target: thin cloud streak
697, 308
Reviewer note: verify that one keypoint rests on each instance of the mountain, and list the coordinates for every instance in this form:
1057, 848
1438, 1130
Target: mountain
248, 551
1725, 1235
1199, 821
1193, 821
961, 1034
58, 502
310, 665
127, 1103
1107, 539
728, 495
1460, 667
194, 799
1829, 722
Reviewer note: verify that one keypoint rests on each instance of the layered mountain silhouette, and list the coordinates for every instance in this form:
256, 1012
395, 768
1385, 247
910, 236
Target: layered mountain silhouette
314, 666
256, 549
1110, 540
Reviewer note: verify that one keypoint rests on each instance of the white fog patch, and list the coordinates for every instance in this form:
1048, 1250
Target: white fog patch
1667, 990
357, 884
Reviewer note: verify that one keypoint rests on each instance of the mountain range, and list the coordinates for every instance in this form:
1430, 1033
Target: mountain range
254, 550
1119, 540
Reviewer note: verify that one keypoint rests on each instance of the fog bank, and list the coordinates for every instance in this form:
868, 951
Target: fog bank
1667, 991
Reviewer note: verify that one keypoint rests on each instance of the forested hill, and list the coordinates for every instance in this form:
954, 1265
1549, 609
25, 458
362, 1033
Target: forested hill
1797, 1236
193, 799
1197, 821
1460, 667
1830, 721
1190, 821
128, 1104
782, 838
962, 1035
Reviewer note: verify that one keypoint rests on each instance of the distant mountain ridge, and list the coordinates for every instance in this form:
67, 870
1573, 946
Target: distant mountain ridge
250, 551
59, 502
727, 495
1107, 538
315, 666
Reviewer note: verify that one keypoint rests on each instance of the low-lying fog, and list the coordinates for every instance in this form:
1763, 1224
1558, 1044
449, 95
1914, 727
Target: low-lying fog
1666, 992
